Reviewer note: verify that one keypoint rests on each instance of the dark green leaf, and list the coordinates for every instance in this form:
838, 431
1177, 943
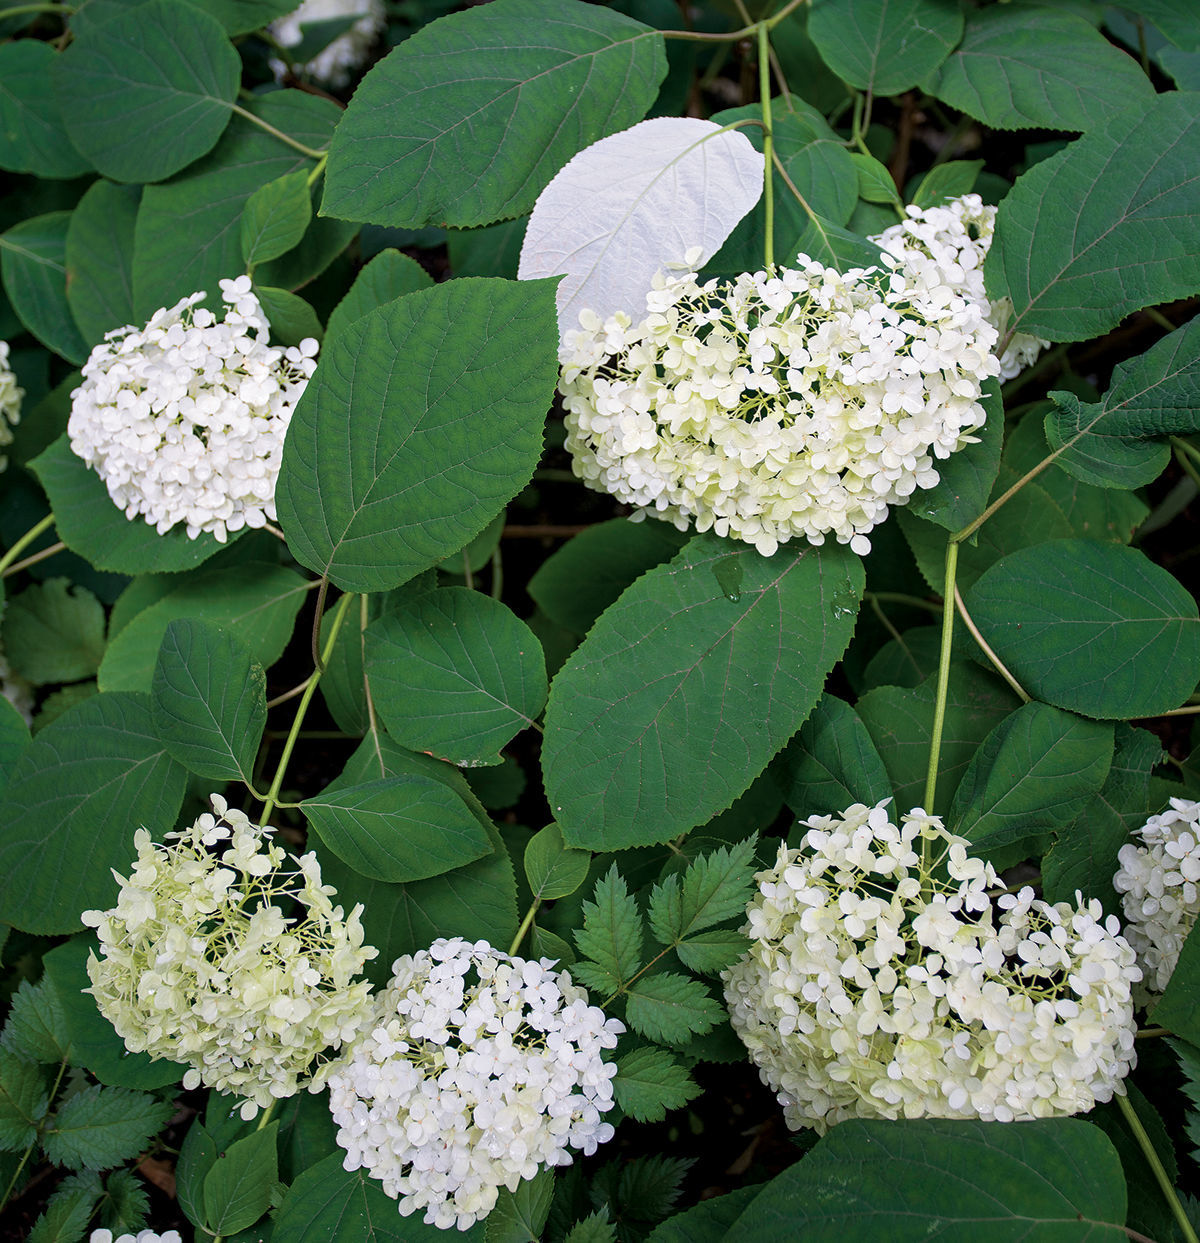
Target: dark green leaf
69, 812
670, 1008
100, 259
1116, 637
275, 218
650, 1081
292, 319
706, 1222
238, 1186
32, 136
1096, 458
390, 275
100, 1127
875, 183
688, 685
14, 738
552, 869
209, 701
494, 250
715, 887
466, 121
24, 1097
54, 632
1178, 1010
946, 181
594, 1228
147, 92
611, 936
239, 17
709, 952
1176, 19
1124, 210
519, 1216
68, 1211
1010, 72
446, 390
126, 1204
33, 263
197, 1156
36, 1027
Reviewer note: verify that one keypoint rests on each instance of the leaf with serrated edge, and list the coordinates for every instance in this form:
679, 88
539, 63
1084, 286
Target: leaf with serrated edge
24, 1096
670, 1008
100, 1127
520, 1215
100, 240
238, 1186
650, 1081
275, 217
390, 275
69, 1209
32, 136
611, 935
36, 1028
54, 632
633, 202
710, 952
553, 869
715, 887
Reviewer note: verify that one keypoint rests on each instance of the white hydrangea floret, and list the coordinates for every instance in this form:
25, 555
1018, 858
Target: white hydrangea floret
105, 1235
342, 56
955, 238
236, 963
16, 689
791, 402
1159, 883
476, 1069
184, 419
888, 979
11, 395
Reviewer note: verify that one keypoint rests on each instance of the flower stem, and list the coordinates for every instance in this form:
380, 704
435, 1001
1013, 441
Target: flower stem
526, 924
943, 683
277, 133
1139, 1133
764, 89
20, 10
34, 531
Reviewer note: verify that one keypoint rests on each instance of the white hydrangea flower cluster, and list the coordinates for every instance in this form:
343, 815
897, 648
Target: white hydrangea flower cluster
142, 1236
16, 689
1158, 883
798, 401
476, 1069
184, 419
955, 238
886, 979
337, 61
234, 963
10, 403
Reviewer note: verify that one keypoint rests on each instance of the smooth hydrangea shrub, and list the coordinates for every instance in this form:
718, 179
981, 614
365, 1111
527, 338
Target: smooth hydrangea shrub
475, 1069
791, 402
225, 952
888, 978
1157, 880
337, 62
952, 240
184, 419
11, 394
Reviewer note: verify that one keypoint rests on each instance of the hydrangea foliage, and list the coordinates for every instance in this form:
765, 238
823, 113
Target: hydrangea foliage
11, 394
338, 60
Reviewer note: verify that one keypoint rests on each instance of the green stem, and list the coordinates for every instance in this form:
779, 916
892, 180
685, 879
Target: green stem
1000, 667
943, 684
764, 90
898, 597
34, 531
318, 170
277, 133
497, 573
526, 924
273, 793
52, 551
1160, 1175
732, 36
12, 1182
20, 10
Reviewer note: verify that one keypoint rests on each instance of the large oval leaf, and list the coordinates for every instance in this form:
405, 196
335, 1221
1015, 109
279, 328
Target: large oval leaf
467, 120
100, 259
1093, 627
633, 202
689, 684
423, 420
33, 263
32, 136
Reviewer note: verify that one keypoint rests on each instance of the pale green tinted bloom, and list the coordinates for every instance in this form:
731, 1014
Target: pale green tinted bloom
236, 964
10, 403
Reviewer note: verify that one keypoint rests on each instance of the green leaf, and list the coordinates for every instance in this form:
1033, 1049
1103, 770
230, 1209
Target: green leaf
100, 239
92, 526
946, 181
594, 1228
68, 1211
689, 684
69, 812
32, 136
611, 936
1178, 1009
884, 46
706, 1222
240, 17
1096, 458
446, 390
147, 92
649, 1081
36, 1027
1010, 72
467, 120
54, 632
832, 763
197, 1156
875, 183
1118, 637
900, 722
1124, 208
493, 250
275, 218
126, 1204
33, 264
24, 1098
292, 319
209, 701
715, 887
390, 275
327, 1203
575, 584
455, 673
255, 601
14, 738
552, 869
100, 1127
238, 1187
1056, 1179
671, 1008
709, 952
1034, 773
398, 828
519, 1216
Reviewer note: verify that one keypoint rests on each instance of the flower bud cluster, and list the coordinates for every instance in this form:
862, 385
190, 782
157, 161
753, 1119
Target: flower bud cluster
888, 979
184, 419
1157, 881
475, 1069
796, 401
955, 239
341, 57
10, 403
233, 963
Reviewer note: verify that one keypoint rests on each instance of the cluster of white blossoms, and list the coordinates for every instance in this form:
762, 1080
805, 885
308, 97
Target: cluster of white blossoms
184, 419
1158, 882
888, 979
337, 61
791, 402
954, 239
475, 1069
16, 689
10, 403
235, 963
142, 1236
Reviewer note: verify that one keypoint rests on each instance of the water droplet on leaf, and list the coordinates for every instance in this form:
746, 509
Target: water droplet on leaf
728, 573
